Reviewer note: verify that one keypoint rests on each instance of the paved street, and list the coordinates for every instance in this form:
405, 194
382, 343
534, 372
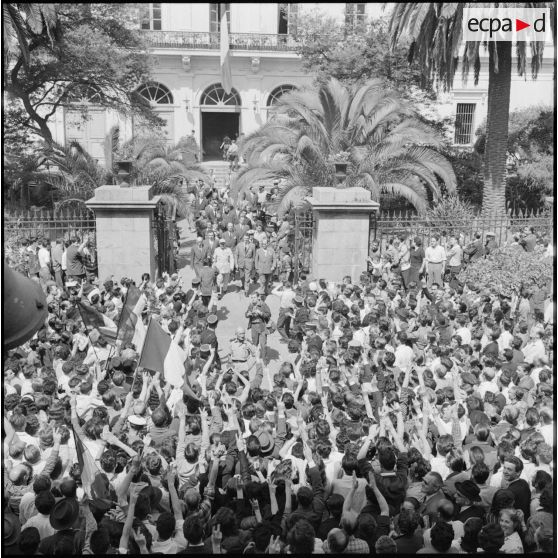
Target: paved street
232, 307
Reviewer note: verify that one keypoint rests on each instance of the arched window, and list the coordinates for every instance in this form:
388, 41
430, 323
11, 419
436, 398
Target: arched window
156, 93
277, 93
216, 95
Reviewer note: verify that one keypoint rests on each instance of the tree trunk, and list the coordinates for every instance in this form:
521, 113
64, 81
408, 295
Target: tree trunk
497, 122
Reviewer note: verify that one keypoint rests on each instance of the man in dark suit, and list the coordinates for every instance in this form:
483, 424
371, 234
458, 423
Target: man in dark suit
512, 469
230, 215
467, 496
265, 264
230, 237
241, 229
197, 256
209, 337
211, 211
475, 250
244, 257
210, 244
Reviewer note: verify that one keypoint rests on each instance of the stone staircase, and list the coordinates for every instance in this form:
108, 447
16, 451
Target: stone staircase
220, 170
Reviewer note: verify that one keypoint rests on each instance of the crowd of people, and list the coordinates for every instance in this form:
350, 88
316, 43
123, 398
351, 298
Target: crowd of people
413, 414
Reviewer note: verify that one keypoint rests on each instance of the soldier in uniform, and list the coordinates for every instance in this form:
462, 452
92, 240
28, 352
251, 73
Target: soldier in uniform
241, 350
244, 256
258, 315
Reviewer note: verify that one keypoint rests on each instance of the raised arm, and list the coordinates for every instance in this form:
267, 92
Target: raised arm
382, 503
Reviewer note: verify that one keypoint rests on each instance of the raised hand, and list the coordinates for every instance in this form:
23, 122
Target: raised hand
240, 443
57, 436
255, 504
216, 535
274, 545
139, 537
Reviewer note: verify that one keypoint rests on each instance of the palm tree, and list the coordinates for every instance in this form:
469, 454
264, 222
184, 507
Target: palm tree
70, 170
163, 166
19, 20
435, 31
386, 148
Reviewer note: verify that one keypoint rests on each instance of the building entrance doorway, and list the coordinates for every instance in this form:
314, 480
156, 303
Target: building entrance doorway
215, 126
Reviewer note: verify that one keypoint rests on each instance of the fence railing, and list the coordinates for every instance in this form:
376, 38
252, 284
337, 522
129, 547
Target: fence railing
49, 224
211, 40
504, 228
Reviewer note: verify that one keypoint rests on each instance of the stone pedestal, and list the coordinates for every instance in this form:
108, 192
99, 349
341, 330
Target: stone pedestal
125, 242
341, 231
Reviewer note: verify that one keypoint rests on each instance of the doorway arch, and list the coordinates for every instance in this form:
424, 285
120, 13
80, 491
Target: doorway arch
220, 117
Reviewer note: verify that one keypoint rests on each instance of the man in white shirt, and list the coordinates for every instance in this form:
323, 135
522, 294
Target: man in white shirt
404, 354
286, 296
44, 255
488, 382
535, 348
435, 262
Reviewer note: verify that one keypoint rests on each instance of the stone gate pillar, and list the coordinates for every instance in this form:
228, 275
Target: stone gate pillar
125, 243
341, 231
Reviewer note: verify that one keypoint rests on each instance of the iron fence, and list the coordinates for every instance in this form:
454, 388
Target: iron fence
50, 225
302, 242
386, 227
165, 239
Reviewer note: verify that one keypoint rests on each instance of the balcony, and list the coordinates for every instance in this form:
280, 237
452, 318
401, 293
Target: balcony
238, 41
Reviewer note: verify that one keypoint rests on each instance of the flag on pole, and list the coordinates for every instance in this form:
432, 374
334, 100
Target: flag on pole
131, 328
93, 319
87, 465
226, 77
162, 354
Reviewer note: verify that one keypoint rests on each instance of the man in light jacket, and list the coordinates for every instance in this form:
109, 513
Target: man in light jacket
266, 262
223, 261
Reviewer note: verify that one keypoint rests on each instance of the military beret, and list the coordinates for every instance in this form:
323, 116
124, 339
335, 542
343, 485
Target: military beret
205, 348
212, 319
195, 281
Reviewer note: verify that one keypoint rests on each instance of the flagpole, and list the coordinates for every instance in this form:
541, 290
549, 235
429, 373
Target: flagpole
141, 353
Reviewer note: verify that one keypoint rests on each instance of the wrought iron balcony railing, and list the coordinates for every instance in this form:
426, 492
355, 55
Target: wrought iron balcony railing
201, 40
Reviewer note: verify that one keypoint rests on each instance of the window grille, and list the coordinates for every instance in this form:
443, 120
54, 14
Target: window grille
464, 119
216, 95
156, 93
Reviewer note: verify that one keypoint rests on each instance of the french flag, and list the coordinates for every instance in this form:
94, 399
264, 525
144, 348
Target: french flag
131, 328
225, 56
162, 353
93, 319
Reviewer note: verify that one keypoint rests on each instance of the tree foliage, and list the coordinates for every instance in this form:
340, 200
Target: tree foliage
386, 148
91, 55
163, 166
354, 55
509, 270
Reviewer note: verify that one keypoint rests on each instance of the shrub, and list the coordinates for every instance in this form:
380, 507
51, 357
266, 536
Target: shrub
508, 270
